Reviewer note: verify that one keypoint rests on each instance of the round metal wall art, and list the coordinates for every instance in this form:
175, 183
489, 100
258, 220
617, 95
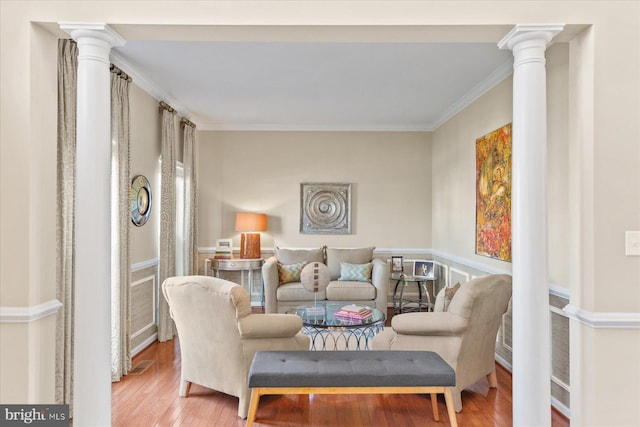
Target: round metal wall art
325, 208
140, 200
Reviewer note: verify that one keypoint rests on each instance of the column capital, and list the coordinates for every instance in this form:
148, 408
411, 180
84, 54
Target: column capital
525, 32
98, 30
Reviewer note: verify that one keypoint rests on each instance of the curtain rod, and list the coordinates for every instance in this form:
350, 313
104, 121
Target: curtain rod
119, 72
165, 106
186, 122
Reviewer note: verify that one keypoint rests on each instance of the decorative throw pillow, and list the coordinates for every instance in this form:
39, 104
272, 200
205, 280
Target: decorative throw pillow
444, 297
438, 305
290, 272
355, 272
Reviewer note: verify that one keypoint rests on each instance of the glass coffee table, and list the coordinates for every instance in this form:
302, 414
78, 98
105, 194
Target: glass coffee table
328, 332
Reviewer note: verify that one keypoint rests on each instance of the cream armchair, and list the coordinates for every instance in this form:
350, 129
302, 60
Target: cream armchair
219, 335
464, 336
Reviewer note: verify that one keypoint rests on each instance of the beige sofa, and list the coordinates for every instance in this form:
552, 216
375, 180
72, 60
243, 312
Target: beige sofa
464, 335
219, 335
371, 291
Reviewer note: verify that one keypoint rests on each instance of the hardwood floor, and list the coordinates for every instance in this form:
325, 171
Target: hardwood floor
151, 399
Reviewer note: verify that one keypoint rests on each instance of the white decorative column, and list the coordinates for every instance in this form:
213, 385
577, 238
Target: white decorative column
92, 300
531, 323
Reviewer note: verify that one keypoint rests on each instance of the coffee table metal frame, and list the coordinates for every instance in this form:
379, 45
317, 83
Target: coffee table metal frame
330, 333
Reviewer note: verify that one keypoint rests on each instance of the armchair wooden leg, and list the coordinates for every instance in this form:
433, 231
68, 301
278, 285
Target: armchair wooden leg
185, 386
493, 379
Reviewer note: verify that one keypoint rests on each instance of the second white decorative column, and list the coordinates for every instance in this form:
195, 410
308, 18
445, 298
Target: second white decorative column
531, 325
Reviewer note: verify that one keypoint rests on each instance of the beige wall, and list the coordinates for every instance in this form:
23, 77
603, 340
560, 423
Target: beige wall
454, 177
145, 160
454, 169
390, 173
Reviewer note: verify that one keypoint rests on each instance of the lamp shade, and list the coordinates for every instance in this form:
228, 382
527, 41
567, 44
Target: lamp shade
249, 221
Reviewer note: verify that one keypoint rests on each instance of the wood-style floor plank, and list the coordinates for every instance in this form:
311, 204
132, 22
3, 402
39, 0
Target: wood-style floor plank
151, 399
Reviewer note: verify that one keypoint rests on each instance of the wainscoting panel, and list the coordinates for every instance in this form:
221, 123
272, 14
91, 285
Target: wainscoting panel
144, 299
457, 276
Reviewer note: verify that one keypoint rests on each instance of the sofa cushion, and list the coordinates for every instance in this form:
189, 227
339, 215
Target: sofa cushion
352, 256
355, 272
444, 297
295, 292
350, 291
294, 256
290, 272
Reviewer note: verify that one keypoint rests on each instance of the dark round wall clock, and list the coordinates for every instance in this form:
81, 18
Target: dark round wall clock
140, 200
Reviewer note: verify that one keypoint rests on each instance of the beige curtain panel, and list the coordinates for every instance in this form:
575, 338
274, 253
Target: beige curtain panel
121, 219
166, 328
65, 185
190, 218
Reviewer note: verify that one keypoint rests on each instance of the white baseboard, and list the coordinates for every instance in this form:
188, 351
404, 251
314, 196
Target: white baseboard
144, 344
560, 407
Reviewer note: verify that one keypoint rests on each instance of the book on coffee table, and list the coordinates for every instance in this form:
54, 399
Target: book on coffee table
353, 312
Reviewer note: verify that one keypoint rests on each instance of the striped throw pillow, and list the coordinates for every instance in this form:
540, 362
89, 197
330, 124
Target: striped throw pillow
290, 272
355, 272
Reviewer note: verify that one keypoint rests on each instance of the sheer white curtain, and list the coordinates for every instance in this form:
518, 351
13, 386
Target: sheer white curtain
65, 207
166, 328
190, 215
120, 222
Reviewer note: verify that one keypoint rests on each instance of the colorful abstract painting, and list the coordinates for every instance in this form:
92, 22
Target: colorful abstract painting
493, 194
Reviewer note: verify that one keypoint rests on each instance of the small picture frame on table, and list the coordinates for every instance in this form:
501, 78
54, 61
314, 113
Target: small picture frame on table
397, 264
424, 269
224, 248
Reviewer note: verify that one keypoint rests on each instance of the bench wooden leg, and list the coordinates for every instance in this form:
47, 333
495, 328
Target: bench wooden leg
448, 398
432, 391
434, 405
253, 406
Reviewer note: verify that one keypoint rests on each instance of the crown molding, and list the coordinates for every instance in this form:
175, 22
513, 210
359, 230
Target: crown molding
210, 126
497, 76
29, 314
149, 87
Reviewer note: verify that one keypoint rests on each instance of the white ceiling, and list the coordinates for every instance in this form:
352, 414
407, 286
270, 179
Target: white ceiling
239, 85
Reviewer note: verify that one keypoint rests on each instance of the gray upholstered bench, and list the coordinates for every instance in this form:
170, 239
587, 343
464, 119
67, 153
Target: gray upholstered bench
351, 372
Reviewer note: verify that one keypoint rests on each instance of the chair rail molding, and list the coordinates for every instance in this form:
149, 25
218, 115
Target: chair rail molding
145, 264
610, 320
29, 314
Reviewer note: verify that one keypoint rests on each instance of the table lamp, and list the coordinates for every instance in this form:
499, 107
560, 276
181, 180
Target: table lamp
250, 225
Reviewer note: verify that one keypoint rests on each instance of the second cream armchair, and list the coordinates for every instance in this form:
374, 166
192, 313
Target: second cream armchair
464, 335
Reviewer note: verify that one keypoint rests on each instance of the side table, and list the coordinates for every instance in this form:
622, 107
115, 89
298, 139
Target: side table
241, 265
398, 291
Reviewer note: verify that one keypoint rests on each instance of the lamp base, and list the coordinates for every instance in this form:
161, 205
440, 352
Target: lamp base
250, 245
